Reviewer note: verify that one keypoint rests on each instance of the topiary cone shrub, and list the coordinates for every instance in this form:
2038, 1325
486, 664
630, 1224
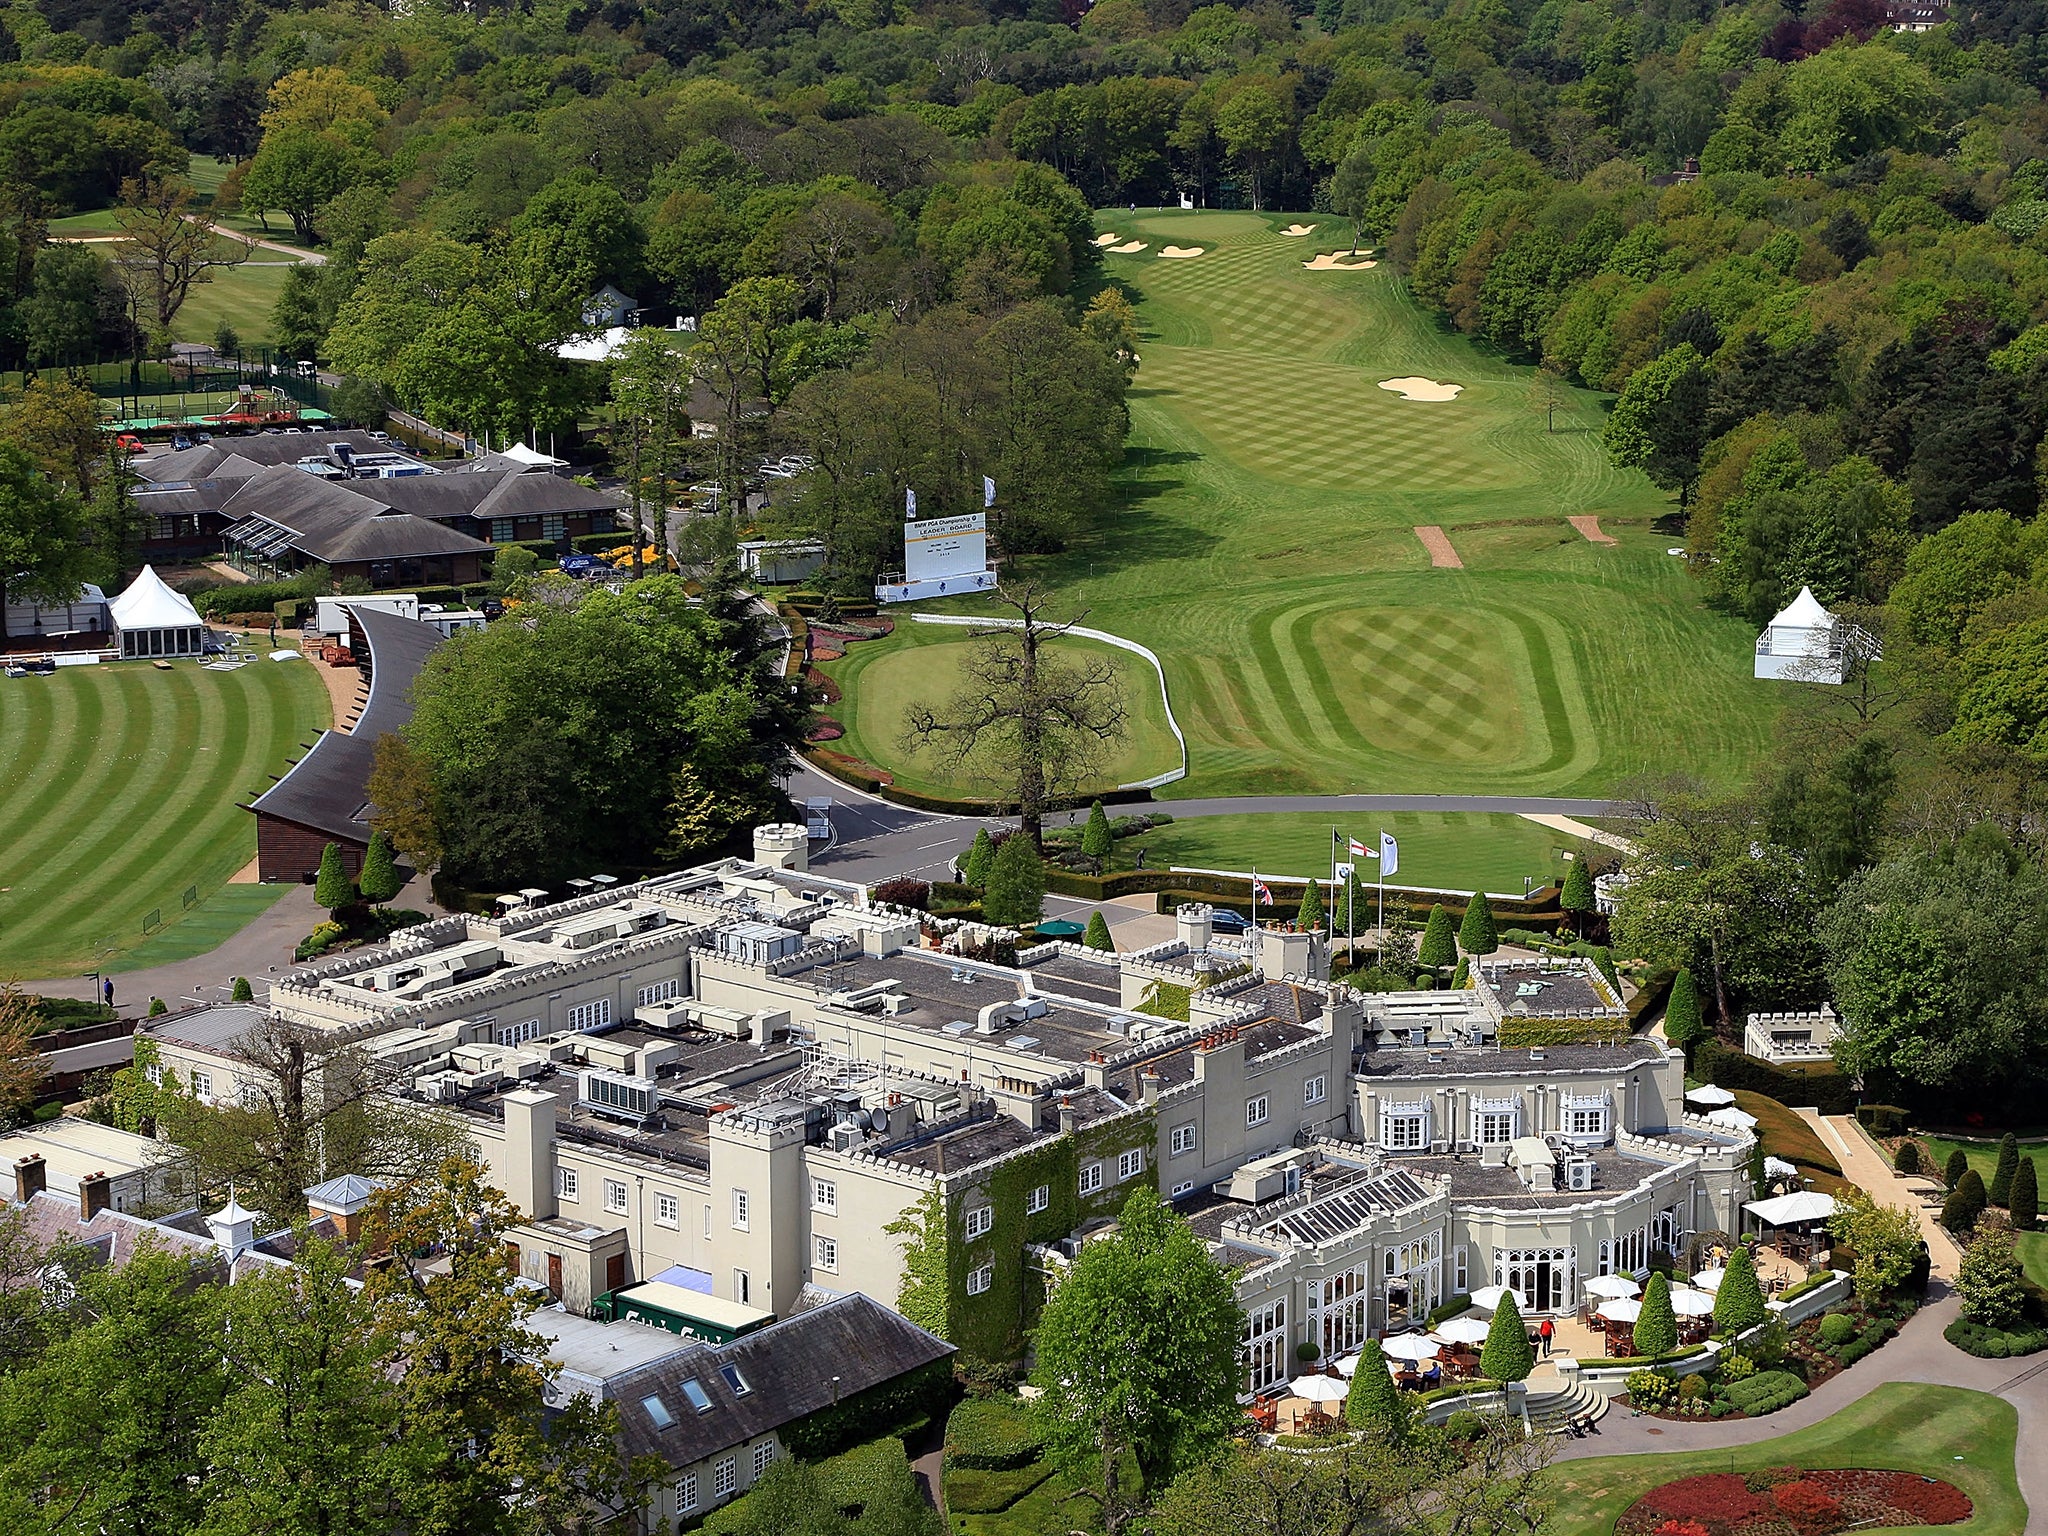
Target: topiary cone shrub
2026, 1197
1507, 1354
1965, 1204
1907, 1158
1958, 1164
2008, 1165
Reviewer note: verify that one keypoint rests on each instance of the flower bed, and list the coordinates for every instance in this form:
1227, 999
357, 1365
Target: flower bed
824, 728
1788, 1501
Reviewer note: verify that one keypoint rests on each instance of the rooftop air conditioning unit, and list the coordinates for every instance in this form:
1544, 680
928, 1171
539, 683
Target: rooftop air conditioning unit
617, 1096
844, 1137
1578, 1173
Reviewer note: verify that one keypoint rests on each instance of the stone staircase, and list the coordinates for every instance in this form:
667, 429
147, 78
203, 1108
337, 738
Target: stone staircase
1551, 1412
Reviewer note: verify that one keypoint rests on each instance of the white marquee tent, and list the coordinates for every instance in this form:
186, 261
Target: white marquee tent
1802, 644
152, 620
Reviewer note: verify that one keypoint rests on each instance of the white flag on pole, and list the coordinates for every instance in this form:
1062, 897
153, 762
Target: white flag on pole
1390, 855
909, 504
1346, 871
988, 492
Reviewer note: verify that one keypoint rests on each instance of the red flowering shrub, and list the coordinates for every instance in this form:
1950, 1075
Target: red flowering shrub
1808, 1506
1783, 1501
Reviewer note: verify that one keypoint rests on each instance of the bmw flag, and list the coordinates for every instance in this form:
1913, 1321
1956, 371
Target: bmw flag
1390, 855
988, 492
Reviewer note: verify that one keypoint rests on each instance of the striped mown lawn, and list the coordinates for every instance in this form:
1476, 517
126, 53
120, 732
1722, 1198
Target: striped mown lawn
1265, 548
120, 789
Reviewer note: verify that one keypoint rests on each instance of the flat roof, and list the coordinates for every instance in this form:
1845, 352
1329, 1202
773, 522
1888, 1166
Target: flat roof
598, 1351
1490, 1061
688, 1303
75, 1149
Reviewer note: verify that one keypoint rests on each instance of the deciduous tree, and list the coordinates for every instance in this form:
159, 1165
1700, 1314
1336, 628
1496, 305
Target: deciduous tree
1025, 718
1991, 1283
1137, 1353
169, 250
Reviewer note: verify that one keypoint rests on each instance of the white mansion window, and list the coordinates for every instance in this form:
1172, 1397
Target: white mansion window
1256, 1110
725, 1477
979, 1280
1130, 1165
1265, 1346
615, 1196
661, 992
1404, 1127
980, 1222
1314, 1090
1091, 1178
1039, 1198
1493, 1127
1585, 1118
590, 1015
828, 1255
567, 1183
1183, 1140
667, 1210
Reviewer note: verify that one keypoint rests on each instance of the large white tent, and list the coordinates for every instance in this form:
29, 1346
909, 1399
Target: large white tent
152, 620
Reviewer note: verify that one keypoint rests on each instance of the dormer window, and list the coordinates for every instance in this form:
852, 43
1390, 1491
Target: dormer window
1404, 1127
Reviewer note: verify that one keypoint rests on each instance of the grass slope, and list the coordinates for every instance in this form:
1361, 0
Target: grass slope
119, 791
921, 663
1444, 850
1966, 1438
1263, 547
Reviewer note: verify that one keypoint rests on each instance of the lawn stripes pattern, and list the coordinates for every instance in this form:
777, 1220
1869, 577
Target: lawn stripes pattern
122, 787
1264, 548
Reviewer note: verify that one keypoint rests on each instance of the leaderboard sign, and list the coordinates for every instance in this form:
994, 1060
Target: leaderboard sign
941, 556
941, 547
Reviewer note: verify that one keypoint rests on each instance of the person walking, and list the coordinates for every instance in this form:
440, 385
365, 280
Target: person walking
1546, 1333
107, 988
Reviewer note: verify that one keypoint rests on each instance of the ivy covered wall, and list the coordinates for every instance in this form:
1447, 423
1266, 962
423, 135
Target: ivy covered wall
938, 1257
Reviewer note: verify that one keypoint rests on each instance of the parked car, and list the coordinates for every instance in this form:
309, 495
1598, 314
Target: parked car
583, 567
491, 608
1224, 920
180, 442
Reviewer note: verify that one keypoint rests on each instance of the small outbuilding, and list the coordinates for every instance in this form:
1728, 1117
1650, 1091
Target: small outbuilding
1804, 644
152, 620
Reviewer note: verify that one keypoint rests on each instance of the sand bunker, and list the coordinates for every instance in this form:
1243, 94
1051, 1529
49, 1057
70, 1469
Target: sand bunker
1339, 261
1181, 252
1297, 230
1107, 239
1128, 248
1438, 543
1590, 527
1421, 389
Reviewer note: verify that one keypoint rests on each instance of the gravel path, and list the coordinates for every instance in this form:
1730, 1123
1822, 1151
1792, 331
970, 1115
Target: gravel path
1438, 543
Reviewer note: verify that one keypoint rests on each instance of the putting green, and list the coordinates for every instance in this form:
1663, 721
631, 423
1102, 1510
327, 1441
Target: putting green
921, 664
119, 791
1264, 547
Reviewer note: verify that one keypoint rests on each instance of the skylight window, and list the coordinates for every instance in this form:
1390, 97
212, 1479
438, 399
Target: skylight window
693, 1389
735, 1380
657, 1410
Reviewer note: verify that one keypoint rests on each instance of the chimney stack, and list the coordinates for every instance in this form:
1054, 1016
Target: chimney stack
1148, 1086
1069, 1120
31, 1177
95, 1194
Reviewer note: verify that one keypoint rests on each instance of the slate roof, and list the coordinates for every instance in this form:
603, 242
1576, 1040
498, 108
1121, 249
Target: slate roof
327, 788
789, 1369
337, 522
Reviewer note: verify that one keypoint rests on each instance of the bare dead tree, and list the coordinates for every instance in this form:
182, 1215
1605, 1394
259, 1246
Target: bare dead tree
1026, 721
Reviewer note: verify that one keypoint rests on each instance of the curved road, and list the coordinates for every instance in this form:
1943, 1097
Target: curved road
876, 838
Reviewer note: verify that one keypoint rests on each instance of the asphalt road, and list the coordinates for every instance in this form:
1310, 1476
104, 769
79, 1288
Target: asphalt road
875, 839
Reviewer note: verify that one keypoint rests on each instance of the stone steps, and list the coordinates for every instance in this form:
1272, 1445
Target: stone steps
1551, 1413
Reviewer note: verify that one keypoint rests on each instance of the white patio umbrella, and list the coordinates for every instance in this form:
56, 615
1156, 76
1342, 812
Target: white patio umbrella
1348, 1367
1686, 1302
1319, 1389
1487, 1297
1620, 1310
1410, 1346
1791, 1210
1612, 1285
1712, 1096
1710, 1279
1778, 1168
1462, 1330
1734, 1119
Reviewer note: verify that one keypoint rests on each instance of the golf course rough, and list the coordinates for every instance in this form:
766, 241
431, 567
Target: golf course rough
1265, 545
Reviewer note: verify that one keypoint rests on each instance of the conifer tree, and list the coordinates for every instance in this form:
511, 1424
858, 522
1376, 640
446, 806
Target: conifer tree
1739, 1303
1657, 1323
1373, 1398
1097, 936
1577, 896
241, 991
2025, 1209
1015, 894
333, 889
975, 871
1682, 1022
2008, 1165
1507, 1354
1759, 1177
1477, 935
1965, 1204
1096, 838
1311, 914
1439, 945
1958, 1164
379, 880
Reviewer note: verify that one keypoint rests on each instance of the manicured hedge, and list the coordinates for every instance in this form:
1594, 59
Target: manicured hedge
1994, 1343
1882, 1119
1458, 1304
1829, 1091
1765, 1392
992, 1434
970, 1491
